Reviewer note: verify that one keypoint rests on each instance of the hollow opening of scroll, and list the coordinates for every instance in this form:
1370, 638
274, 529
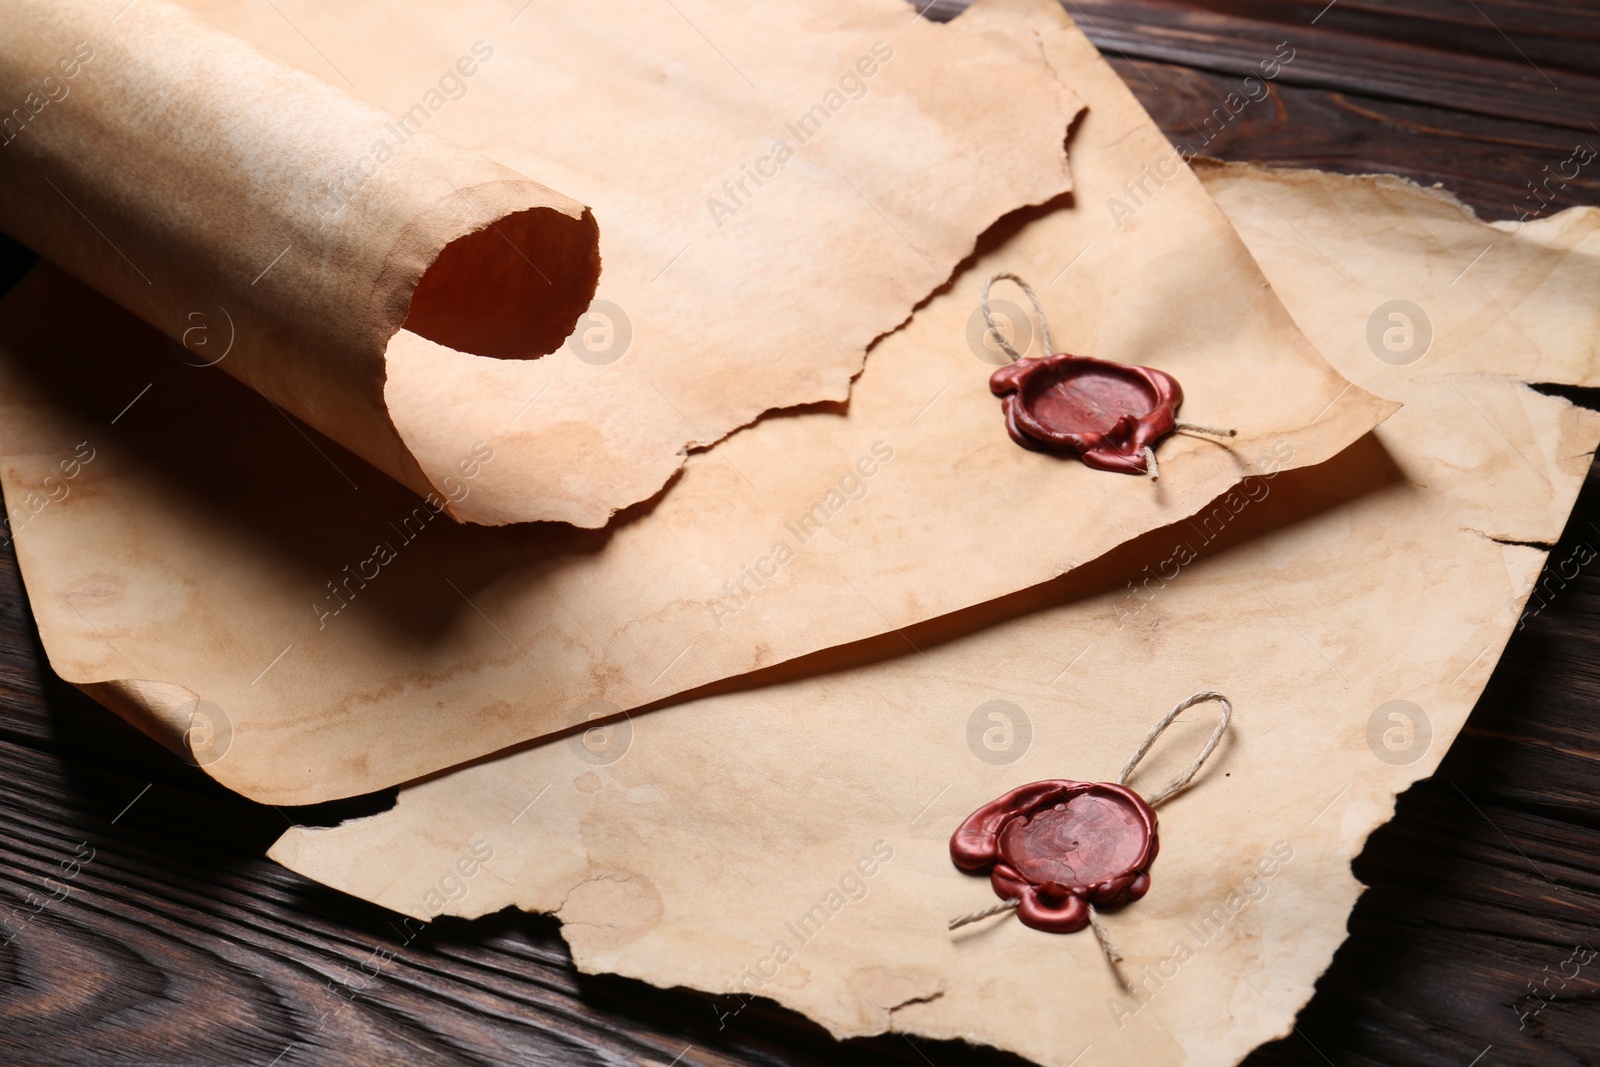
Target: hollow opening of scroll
512, 290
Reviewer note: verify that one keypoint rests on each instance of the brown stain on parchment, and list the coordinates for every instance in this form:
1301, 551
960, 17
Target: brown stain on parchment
609, 908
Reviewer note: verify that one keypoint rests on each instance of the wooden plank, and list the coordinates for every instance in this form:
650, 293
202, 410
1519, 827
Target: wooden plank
1488, 162
1469, 903
1420, 71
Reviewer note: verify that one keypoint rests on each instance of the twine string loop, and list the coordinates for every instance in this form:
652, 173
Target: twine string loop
1038, 308
1182, 781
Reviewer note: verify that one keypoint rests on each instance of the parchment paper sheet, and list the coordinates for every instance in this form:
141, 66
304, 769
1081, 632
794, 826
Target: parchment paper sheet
791, 840
195, 181
341, 641
877, 145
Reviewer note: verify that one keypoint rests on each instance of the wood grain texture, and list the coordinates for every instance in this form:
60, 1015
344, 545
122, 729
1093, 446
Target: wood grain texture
1433, 54
177, 943
1489, 162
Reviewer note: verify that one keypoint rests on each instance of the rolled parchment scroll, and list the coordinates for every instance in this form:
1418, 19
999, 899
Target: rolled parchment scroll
271, 223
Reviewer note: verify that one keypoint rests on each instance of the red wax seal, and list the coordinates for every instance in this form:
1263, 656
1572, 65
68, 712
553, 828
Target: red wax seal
1059, 846
1105, 412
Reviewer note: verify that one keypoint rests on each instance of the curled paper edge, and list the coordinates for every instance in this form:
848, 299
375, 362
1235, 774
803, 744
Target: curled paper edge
258, 216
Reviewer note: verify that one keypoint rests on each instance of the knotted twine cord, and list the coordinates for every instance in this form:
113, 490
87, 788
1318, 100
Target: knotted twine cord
984, 913
1192, 428
1107, 946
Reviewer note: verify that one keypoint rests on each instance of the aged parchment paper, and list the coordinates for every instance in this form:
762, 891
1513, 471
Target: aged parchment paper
791, 840
216, 193
217, 579
777, 184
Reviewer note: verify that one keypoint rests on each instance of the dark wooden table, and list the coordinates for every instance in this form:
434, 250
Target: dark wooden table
177, 943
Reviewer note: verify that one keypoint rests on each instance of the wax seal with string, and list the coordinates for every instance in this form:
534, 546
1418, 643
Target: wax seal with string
1109, 414
1058, 850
